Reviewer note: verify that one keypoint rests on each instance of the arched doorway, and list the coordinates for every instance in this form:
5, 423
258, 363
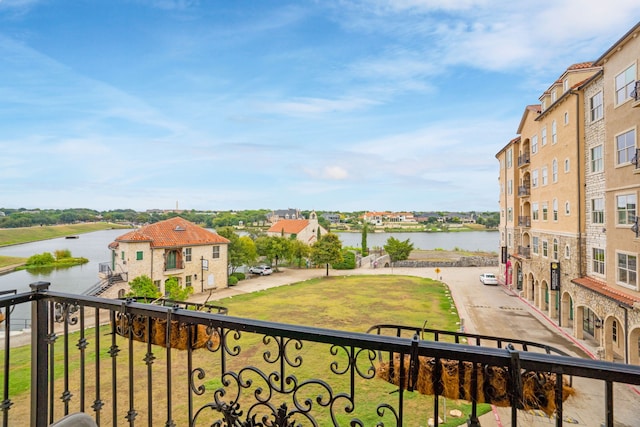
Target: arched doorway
518, 276
634, 346
567, 310
613, 338
544, 297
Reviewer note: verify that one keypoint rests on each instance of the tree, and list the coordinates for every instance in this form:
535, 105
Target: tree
176, 292
142, 286
241, 250
364, 239
327, 250
273, 248
398, 250
299, 251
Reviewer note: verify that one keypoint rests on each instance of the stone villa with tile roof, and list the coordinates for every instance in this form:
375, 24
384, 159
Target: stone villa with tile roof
305, 230
172, 248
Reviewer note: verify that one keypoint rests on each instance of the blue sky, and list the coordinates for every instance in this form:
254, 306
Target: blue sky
328, 105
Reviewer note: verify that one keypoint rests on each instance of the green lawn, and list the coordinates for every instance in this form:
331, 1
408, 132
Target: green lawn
352, 303
14, 236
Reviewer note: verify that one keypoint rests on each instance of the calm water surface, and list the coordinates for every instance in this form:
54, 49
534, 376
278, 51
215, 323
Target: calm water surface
468, 240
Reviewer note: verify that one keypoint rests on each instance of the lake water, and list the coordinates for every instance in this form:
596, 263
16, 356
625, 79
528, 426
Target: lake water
94, 246
468, 240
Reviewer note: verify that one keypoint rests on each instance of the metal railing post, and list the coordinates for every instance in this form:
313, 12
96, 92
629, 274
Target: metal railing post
39, 356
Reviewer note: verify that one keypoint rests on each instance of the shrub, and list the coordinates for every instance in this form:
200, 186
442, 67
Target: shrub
62, 253
233, 280
238, 275
142, 286
348, 261
44, 258
176, 292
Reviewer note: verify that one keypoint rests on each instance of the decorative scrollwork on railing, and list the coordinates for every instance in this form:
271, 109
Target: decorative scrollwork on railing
279, 398
226, 337
282, 345
369, 370
65, 312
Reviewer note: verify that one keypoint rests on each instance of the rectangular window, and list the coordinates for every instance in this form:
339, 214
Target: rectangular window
510, 187
534, 178
625, 83
545, 176
566, 165
598, 260
187, 254
596, 107
555, 249
625, 147
510, 214
139, 256
596, 159
545, 211
554, 132
554, 170
597, 210
536, 245
187, 281
122, 255
555, 209
534, 144
626, 208
509, 158
534, 211
216, 252
627, 269
544, 136
566, 117
545, 248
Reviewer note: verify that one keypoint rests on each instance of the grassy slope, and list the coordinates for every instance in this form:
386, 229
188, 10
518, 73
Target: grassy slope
14, 236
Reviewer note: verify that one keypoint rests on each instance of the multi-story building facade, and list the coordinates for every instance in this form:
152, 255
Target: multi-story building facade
174, 248
572, 251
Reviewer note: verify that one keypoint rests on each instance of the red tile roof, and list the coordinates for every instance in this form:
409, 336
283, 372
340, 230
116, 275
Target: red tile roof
290, 226
607, 291
580, 66
171, 233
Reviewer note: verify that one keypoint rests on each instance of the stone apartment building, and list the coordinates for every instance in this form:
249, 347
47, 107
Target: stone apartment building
568, 200
172, 248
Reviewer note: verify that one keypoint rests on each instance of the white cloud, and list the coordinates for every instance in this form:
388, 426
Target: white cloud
315, 106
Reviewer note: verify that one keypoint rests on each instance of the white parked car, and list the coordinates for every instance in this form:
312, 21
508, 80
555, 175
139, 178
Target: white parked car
488, 279
263, 270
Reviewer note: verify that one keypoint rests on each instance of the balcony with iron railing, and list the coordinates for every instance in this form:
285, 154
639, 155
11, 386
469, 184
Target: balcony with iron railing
635, 94
524, 221
524, 159
524, 190
122, 361
524, 251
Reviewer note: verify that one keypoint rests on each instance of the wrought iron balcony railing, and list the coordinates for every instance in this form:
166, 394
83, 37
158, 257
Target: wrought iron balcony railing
524, 190
524, 221
524, 159
120, 361
524, 251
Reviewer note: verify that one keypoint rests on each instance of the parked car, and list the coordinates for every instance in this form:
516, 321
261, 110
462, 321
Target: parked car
263, 270
488, 279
